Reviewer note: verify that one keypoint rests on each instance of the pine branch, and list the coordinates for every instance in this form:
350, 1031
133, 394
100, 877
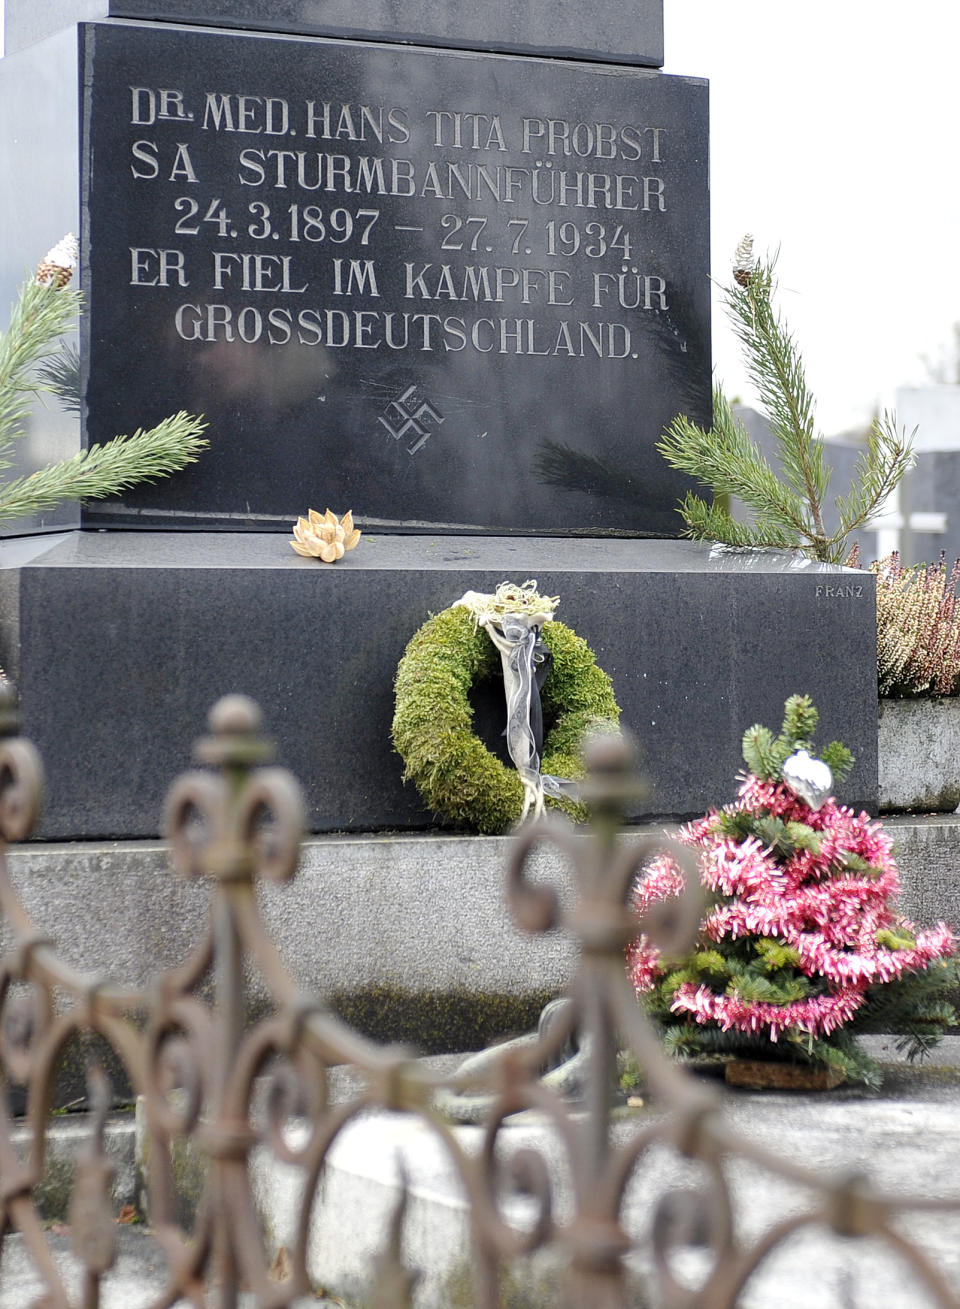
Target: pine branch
800, 719
61, 375
775, 954
40, 316
845, 1058
838, 759
788, 505
879, 469
804, 837
761, 754
725, 459
107, 469
916, 1007
32, 360
713, 523
775, 367
713, 962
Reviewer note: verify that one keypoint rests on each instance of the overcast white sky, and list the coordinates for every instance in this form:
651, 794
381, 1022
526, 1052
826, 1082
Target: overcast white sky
833, 136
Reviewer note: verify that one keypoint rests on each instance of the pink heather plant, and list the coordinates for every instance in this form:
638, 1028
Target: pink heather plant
800, 942
918, 628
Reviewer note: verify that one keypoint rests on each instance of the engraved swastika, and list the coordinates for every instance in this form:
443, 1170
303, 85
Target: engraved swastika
406, 417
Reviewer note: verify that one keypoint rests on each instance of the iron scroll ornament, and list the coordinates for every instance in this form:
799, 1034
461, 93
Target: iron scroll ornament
197, 1067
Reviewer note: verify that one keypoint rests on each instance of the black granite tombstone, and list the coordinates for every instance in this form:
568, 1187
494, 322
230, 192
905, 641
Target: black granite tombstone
448, 290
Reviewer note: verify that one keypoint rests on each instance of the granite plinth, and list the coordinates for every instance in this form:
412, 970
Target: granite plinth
121, 642
456, 291
605, 30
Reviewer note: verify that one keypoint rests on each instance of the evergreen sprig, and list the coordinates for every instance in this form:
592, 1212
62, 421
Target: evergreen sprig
61, 375
40, 317
765, 755
33, 361
107, 469
842, 1054
838, 759
787, 508
918, 1007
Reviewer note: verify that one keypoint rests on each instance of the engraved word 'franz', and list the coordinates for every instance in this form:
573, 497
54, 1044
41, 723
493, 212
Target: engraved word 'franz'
851, 591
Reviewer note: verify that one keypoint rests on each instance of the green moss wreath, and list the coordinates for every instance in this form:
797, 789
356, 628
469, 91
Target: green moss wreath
453, 770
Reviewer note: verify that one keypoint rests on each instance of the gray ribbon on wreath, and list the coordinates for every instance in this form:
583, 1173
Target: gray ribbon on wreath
513, 618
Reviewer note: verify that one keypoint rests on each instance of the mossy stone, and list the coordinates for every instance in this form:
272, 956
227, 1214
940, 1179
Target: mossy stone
438, 1022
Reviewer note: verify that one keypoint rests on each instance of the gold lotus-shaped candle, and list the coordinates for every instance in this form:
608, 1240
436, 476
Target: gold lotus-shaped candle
325, 536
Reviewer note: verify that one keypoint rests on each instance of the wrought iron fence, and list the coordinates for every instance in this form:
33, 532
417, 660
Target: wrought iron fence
196, 1065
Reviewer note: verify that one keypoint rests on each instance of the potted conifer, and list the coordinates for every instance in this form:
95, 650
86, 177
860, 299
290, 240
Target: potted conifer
800, 944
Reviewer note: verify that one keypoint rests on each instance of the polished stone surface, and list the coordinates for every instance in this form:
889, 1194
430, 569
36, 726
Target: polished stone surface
605, 30
300, 239
123, 641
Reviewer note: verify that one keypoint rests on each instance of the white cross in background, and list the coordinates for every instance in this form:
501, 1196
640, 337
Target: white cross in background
896, 525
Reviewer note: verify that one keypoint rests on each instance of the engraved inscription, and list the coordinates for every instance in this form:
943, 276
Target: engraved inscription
514, 217
849, 591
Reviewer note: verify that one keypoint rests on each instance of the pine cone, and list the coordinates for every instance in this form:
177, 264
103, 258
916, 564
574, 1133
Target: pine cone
743, 261
56, 267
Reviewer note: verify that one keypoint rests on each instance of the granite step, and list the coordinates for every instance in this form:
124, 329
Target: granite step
425, 914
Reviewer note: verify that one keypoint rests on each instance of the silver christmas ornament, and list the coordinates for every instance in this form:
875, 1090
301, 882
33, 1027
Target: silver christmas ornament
809, 778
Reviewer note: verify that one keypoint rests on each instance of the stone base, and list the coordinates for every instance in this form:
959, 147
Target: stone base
419, 914
919, 754
408, 938
121, 642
